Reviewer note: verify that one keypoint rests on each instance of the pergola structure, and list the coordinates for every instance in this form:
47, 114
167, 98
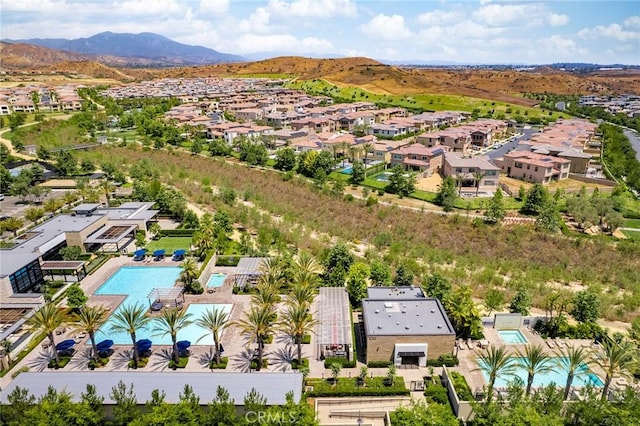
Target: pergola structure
57, 268
334, 334
172, 296
248, 271
110, 238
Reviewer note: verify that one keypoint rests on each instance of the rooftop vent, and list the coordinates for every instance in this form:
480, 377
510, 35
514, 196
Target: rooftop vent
388, 305
433, 311
397, 322
439, 325
406, 327
421, 325
379, 327
377, 311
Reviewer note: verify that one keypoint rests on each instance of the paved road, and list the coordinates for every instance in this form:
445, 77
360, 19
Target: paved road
511, 145
635, 141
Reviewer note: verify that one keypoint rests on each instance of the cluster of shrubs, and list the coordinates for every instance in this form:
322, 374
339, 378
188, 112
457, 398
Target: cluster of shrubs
345, 363
448, 360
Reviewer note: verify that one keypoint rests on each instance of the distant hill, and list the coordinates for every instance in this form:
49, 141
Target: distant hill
21, 55
144, 49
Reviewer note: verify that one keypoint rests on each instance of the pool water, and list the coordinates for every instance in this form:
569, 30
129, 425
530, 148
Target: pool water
347, 171
136, 282
383, 177
216, 280
557, 376
512, 337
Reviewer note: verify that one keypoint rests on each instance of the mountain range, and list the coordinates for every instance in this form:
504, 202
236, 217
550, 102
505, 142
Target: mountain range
144, 49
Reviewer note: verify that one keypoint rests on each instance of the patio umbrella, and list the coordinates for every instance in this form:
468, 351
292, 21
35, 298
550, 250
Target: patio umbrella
183, 344
65, 344
104, 345
159, 252
140, 252
144, 345
179, 252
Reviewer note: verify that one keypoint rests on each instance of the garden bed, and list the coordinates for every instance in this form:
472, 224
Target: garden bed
348, 387
223, 364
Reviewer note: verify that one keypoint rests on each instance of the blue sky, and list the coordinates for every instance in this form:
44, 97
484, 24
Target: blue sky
484, 31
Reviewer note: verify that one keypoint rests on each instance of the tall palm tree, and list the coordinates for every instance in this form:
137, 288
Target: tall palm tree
301, 294
107, 187
495, 362
570, 359
88, 320
257, 324
171, 322
306, 269
296, 321
129, 319
213, 320
189, 270
534, 360
616, 359
5, 345
477, 176
266, 295
47, 319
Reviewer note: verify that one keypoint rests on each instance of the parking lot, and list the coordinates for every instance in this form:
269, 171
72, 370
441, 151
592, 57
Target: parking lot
13, 206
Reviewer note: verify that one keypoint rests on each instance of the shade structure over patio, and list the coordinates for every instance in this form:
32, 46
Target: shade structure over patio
179, 252
183, 344
65, 344
159, 253
104, 345
144, 345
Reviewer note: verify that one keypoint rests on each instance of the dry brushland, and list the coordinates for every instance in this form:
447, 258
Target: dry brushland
293, 213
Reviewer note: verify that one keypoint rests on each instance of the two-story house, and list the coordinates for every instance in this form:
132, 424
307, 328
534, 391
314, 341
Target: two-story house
475, 174
532, 167
418, 157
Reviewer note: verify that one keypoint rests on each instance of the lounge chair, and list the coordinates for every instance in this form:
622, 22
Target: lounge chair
560, 343
470, 344
550, 343
460, 344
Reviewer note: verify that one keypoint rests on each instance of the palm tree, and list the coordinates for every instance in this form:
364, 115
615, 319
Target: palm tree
171, 322
13, 224
534, 360
301, 294
296, 321
89, 320
306, 269
335, 371
107, 188
213, 320
477, 176
258, 323
615, 359
495, 362
189, 270
367, 147
571, 359
5, 345
459, 179
129, 319
47, 319
267, 295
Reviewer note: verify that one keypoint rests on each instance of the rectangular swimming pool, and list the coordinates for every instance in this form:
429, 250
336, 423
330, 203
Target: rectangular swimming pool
216, 280
136, 282
558, 376
512, 337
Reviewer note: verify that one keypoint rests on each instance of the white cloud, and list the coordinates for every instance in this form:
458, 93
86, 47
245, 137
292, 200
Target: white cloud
258, 22
509, 15
313, 8
613, 31
215, 7
438, 17
389, 28
556, 20
251, 43
632, 22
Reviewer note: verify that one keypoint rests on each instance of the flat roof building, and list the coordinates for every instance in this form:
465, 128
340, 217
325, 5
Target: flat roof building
404, 327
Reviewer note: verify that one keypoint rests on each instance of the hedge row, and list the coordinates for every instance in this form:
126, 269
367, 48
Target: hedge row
345, 363
448, 360
177, 232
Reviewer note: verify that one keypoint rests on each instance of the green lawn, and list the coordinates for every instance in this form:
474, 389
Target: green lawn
632, 223
632, 235
170, 244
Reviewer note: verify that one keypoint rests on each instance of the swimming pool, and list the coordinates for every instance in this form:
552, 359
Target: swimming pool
558, 376
383, 177
136, 282
347, 171
512, 337
216, 280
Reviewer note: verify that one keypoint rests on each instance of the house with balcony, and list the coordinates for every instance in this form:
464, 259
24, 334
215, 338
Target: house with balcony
456, 140
473, 175
532, 167
419, 158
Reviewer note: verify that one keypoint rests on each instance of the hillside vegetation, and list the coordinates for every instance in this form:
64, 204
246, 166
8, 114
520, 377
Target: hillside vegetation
465, 252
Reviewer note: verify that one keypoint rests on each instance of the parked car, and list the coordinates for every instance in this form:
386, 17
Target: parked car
1, 197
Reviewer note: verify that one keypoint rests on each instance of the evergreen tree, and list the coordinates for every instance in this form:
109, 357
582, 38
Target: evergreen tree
447, 194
